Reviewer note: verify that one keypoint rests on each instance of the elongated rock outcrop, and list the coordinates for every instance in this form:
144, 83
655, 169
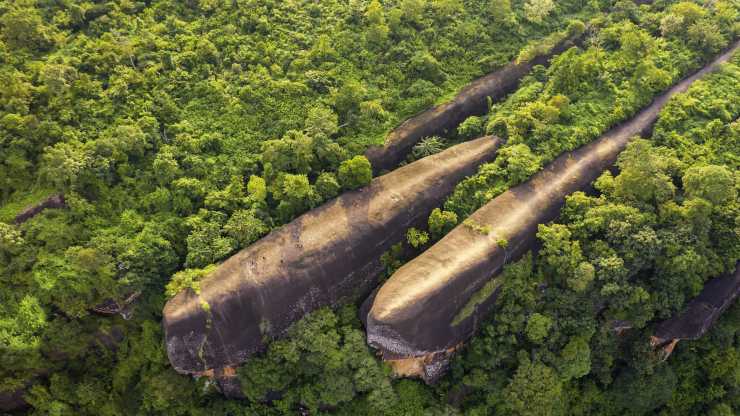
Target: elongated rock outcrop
422, 313
700, 314
322, 257
470, 101
54, 201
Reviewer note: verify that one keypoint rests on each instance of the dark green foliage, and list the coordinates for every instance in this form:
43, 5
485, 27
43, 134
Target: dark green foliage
470, 128
441, 222
634, 253
322, 363
327, 185
535, 390
417, 238
180, 132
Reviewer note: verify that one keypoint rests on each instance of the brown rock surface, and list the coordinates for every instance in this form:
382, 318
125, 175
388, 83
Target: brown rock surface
470, 101
54, 201
700, 314
326, 255
414, 312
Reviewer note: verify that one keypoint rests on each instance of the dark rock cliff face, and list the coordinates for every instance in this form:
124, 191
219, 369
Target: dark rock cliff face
700, 314
415, 319
471, 101
54, 201
323, 257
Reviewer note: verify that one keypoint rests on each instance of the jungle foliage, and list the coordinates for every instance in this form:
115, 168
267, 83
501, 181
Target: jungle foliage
182, 131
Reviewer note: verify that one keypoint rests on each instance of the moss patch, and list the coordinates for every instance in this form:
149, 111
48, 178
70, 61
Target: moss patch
478, 297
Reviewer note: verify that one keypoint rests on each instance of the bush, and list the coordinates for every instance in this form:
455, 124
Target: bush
355, 173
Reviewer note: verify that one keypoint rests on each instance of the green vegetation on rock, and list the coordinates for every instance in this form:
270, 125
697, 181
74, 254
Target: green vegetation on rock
182, 131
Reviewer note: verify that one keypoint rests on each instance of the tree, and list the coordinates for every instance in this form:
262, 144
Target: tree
706, 36
424, 65
244, 227
165, 165
537, 10
500, 10
377, 31
205, 243
721, 409
347, 98
327, 185
322, 51
257, 188
538, 327
441, 222
21, 340
413, 10
643, 393
447, 9
23, 28
642, 177
293, 153
63, 163
321, 121
75, 281
582, 277
416, 238
714, 183
473, 126
323, 343
12, 244
560, 255
671, 24
355, 173
229, 199
534, 391
575, 359
295, 194
188, 194
689, 11
371, 114
187, 279
520, 162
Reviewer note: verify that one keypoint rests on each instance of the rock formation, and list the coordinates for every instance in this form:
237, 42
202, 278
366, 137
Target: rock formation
700, 314
14, 400
322, 257
471, 101
111, 307
54, 201
422, 314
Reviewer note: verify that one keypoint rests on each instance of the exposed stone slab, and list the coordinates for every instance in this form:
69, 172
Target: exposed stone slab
700, 314
470, 101
54, 201
322, 257
416, 312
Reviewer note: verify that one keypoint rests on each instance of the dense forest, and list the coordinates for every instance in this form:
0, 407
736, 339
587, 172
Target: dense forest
142, 143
